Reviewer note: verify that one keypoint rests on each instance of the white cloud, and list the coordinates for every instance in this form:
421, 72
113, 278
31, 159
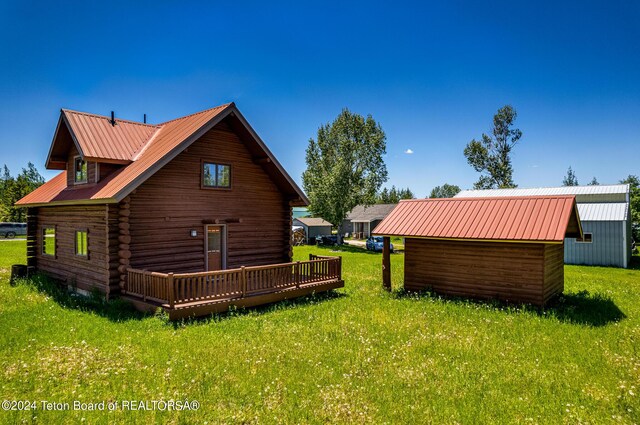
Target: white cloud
408, 151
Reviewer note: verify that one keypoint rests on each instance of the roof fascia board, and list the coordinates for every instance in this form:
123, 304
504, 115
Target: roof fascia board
472, 240
107, 161
575, 211
71, 202
55, 137
173, 153
73, 135
264, 147
230, 109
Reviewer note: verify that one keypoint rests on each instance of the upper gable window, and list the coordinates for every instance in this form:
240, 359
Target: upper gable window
216, 175
80, 170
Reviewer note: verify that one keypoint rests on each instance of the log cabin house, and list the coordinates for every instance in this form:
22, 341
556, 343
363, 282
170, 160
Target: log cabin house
165, 215
504, 248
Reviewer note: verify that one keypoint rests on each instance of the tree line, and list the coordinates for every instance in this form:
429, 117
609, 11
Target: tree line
13, 189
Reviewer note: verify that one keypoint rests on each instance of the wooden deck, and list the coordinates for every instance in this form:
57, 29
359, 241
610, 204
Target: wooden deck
198, 294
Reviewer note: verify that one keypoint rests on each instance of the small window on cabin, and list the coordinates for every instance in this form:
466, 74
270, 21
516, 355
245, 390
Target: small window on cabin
49, 241
80, 168
216, 175
586, 238
81, 243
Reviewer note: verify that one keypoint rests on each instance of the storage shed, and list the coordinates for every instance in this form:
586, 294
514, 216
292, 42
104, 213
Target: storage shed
605, 216
313, 226
505, 248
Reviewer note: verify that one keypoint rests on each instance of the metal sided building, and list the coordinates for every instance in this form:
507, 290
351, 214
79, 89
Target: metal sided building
605, 215
313, 226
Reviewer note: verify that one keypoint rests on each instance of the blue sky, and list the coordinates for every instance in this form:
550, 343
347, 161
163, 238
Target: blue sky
433, 75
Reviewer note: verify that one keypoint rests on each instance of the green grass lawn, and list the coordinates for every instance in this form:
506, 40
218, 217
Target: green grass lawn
358, 355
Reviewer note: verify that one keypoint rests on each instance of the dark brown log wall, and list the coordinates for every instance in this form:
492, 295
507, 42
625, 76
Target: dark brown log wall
520, 272
171, 203
86, 273
32, 237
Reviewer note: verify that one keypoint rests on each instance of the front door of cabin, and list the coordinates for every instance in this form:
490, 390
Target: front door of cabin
215, 248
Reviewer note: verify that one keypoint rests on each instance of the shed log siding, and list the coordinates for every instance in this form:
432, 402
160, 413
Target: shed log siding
86, 273
521, 272
171, 203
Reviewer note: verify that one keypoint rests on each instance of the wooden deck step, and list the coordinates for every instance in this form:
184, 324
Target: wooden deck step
219, 305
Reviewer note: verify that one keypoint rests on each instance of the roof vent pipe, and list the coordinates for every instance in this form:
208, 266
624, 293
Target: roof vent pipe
145, 118
113, 118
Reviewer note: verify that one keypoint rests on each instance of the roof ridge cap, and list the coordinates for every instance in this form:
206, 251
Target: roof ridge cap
471, 198
144, 147
199, 112
91, 114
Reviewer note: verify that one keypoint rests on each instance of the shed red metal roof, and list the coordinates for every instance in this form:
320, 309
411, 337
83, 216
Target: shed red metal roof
533, 218
163, 143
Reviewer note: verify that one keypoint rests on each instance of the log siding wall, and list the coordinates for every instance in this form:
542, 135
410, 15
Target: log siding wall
520, 272
171, 203
86, 273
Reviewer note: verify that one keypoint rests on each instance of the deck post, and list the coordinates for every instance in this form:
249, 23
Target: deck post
170, 294
386, 263
243, 281
340, 268
145, 284
297, 273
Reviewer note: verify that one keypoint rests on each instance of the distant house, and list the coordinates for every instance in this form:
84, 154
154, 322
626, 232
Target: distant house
605, 215
363, 219
313, 226
165, 214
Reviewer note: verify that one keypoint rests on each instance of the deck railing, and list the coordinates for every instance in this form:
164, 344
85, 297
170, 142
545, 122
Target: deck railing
180, 288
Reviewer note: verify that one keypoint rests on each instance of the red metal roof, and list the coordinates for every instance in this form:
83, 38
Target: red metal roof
98, 139
532, 218
165, 142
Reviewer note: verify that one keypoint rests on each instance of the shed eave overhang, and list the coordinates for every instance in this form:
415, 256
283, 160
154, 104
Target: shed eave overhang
474, 240
69, 202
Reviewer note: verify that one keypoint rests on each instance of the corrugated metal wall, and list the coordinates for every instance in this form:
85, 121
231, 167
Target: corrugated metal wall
606, 248
629, 236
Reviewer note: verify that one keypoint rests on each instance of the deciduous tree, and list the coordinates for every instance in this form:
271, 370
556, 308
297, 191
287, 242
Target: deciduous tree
445, 191
491, 155
634, 196
345, 167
